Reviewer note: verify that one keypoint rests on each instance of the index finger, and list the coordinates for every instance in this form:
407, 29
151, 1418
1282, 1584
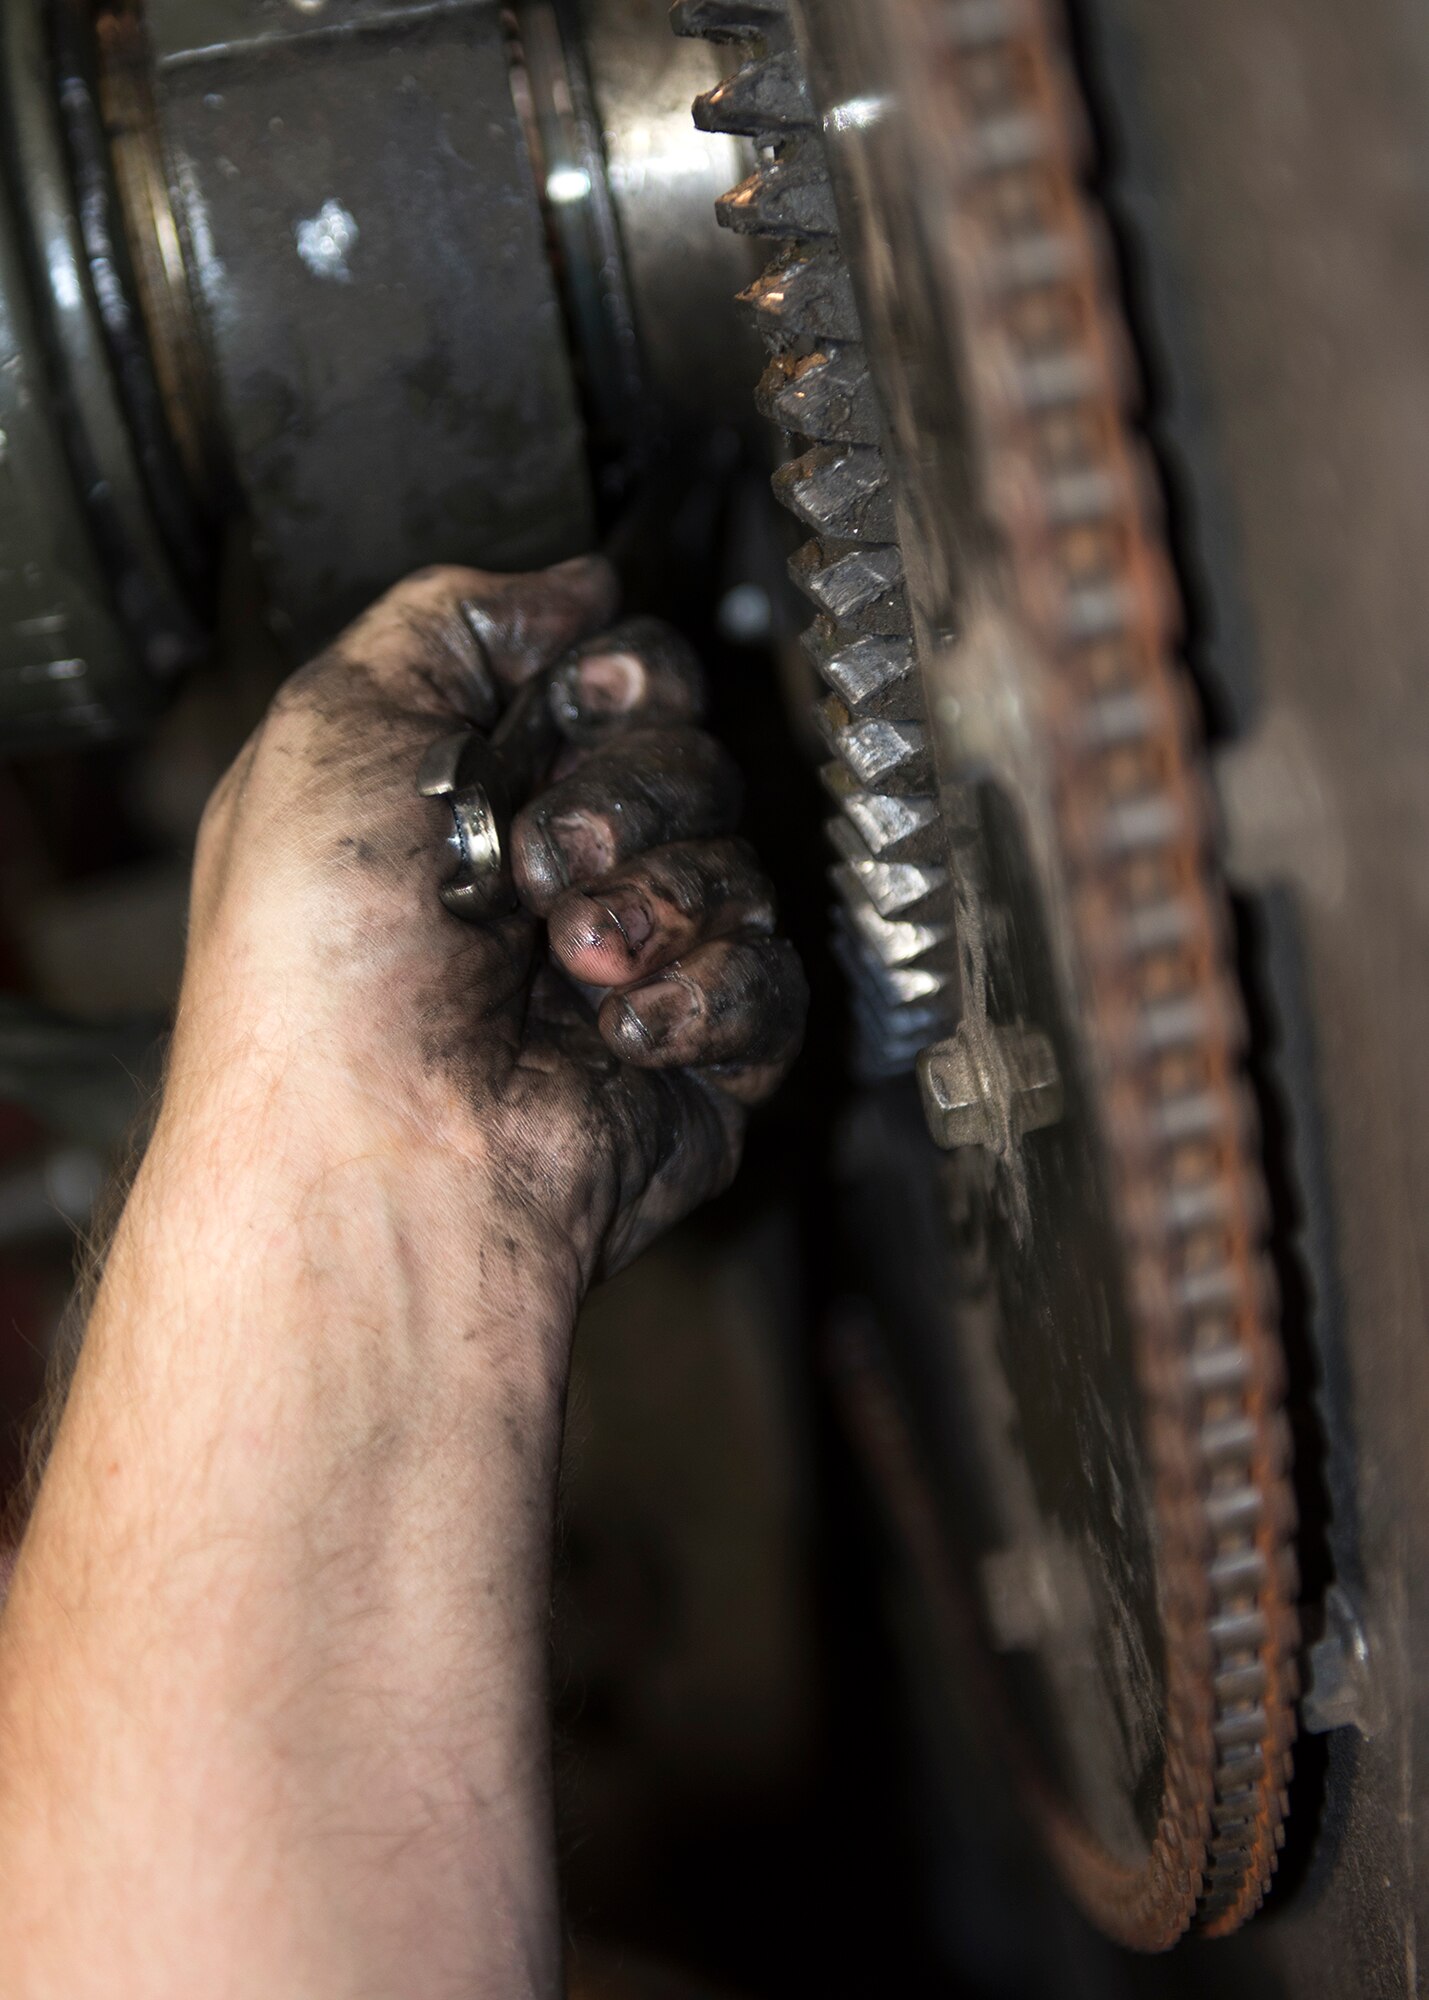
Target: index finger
453, 641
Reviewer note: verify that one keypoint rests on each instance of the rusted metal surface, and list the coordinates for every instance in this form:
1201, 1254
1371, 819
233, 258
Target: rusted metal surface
1079, 896
1269, 163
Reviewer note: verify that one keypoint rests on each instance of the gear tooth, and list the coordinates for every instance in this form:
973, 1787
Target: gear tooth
787, 196
1075, 498
894, 941
804, 295
728, 20
764, 100
892, 757
1031, 262
898, 1009
889, 1041
840, 490
885, 1049
889, 1034
901, 993
1051, 381
915, 992
1021, 139
891, 828
826, 396
895, 888
858, 583
872, 675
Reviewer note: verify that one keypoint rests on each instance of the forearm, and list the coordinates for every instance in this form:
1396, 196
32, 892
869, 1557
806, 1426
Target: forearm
272, 1674
272, 1669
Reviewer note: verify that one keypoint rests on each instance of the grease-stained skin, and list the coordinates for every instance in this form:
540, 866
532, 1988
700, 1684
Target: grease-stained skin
599, 1116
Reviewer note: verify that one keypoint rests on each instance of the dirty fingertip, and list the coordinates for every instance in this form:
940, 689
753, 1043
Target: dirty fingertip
553, 853
622, 1030
596, 687
598, 935
650, 1025
610, 683
537, 866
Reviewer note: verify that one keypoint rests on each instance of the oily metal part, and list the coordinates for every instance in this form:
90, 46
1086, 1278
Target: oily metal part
696, 349
407, 230
152, 237
368, 263
98, 591
603, 90
381, 281
895, 935
55, 612
1036, 610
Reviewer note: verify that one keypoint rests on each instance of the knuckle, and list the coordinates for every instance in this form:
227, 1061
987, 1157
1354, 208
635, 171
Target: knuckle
443, 579
303, 686
682, 878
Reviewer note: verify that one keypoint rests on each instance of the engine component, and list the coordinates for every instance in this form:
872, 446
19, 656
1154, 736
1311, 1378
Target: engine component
99, 568
375, 278
1024, 853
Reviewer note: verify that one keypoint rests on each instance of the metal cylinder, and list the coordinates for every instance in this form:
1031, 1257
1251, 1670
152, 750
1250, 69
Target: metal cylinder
382, 282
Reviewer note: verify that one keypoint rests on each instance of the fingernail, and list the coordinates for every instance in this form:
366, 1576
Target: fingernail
483, 698
609, 683
587, 691
630, 914
655, 1013
544, 865
583, 843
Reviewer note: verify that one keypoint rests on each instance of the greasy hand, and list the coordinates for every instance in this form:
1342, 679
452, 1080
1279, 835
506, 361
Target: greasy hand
323, 965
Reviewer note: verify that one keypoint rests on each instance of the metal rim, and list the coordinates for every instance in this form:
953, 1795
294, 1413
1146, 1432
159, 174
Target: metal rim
150, 593
173, 378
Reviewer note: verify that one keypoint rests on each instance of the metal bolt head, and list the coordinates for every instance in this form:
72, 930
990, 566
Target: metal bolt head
1343, 1689
988, 1085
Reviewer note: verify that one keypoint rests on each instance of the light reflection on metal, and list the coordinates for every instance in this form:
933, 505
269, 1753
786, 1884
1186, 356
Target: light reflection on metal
856, 114
567, 184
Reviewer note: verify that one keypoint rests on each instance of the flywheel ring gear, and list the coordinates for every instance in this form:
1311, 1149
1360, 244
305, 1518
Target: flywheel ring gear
1083, 586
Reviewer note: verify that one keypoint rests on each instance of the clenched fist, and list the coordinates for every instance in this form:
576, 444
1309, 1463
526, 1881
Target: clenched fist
595, 1051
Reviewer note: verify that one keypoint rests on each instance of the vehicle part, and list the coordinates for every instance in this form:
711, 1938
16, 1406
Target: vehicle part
1269, 167
83, 558
372, 278
1025, 852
